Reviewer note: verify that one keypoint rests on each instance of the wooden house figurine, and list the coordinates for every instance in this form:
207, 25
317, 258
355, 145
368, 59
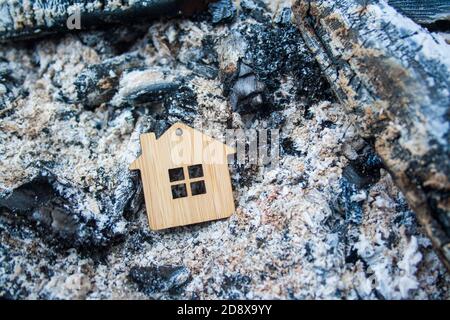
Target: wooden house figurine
185, 177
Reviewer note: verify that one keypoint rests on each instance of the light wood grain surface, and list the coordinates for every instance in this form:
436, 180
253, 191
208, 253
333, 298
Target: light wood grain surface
180, 147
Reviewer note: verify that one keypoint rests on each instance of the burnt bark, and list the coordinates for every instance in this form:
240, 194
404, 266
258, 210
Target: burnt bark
393, 77
423, 11
24, 19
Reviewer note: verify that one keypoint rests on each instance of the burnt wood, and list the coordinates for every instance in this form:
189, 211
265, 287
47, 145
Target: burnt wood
393, 78
24, 19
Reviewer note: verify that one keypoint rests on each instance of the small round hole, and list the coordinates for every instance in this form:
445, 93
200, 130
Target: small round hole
179, 132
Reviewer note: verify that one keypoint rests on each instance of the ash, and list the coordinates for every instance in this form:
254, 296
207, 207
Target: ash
326, 223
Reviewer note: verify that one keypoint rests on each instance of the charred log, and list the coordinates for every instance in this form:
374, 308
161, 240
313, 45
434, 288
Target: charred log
394, 79
423, 11
29, 19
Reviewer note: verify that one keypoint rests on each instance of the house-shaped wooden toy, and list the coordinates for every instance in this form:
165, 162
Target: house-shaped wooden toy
185, 177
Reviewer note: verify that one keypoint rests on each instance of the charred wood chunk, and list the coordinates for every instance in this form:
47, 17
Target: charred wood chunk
28, 196
257, 59
10, 85
146, 87
155, 279
98, 83
29, 19
393, 77
222, 11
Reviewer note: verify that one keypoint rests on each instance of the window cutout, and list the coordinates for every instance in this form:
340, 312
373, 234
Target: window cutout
198, 187
176, 174
195, 171
179, 191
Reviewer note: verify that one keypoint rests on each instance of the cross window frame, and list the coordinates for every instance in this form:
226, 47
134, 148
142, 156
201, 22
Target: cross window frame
182, 184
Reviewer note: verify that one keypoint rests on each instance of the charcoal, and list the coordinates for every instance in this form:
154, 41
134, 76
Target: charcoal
255, 9
379, 87
424, 12
222, 11
98, 83
284, 17
38, 18
146, 87
248, 89
312, 225
156, 279
204, 70
10, 85
151, 93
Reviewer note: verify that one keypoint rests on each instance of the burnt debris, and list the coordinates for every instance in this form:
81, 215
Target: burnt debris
266, 57
29, 196
38, 18
378, 86
98, 83
222, 11
160, 279
79, 230
423, 12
